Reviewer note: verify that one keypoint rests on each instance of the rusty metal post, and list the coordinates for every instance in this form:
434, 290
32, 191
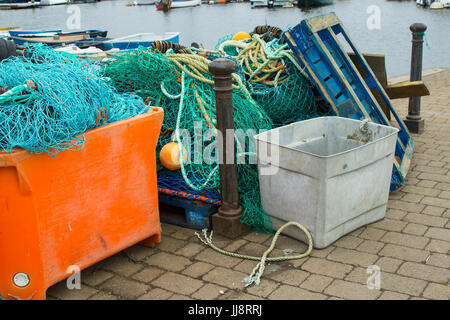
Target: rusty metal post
226, 221
413, 120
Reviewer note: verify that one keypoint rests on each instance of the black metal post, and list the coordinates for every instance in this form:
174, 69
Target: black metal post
413, 120
227, 221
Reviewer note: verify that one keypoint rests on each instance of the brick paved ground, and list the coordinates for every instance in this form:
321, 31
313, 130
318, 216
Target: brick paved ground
411, 245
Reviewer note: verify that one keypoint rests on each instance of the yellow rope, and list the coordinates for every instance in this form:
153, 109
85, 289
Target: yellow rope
257, 272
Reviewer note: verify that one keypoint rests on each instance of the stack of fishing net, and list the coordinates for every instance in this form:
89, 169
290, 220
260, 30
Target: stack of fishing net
182, 85
48, 99
274, 78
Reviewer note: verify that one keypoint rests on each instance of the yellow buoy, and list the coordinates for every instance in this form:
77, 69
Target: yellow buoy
170, 156
241, 36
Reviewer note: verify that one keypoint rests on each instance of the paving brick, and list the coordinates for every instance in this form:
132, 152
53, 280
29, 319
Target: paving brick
184, 234
348, 242
225, 277
147, 274
170, 244
258, 237
326, 268
437, 292
405, 206
238, 296
198, 269
208, 292
413, 197
425, 272
322, 253
427, 184
138, 253
168, 229
264, 289
443, 186
60, 291
293, 277
216, 258
438, 233
437, 202
352, 257
435, 177
359, 275
121, 264
286, 292
438, 246
439, 260
403, 253
95, 277
351, 290
168, 261
405, 240
316, 283
190, 249
433, 211
415, 229
179, 297
103, 296
444, 195
395, 214
372, 234
178, 283
156, 294
401, 284
370, 246
235, 245
389, 295
124, 287
389, 225
426, 220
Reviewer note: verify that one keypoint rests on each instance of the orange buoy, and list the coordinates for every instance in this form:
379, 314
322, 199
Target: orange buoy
241, 36
170, 156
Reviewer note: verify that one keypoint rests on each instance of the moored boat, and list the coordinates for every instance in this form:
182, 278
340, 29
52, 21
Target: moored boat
19, 5
53, 41
28, 33
140, 39
53, 2
314, 3
172, 4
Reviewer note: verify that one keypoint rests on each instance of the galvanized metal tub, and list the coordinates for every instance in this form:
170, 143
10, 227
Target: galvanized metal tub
330, 174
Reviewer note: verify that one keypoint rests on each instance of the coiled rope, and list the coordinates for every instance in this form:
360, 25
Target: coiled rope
255, 276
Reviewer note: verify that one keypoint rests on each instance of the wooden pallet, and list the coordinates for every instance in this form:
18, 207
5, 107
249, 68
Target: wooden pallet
317, 47
186, 212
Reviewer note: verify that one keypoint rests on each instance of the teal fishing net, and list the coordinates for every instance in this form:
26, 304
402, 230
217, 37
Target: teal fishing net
182, 85
52, 98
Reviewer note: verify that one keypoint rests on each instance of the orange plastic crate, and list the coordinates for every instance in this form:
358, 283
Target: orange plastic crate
78, 207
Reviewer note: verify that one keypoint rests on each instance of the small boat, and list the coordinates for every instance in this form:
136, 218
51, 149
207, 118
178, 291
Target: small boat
314, 3
4, 32
142, 3
436, 5
19, 5
271, 4
53, 41
53, 2
140, 39
32, 33
94, 42
172, 4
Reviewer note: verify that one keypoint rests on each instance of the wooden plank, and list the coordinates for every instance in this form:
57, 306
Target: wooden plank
407, 89
323, 22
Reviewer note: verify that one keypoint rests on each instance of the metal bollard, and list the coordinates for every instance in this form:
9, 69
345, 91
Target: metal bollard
413, 120
226, 221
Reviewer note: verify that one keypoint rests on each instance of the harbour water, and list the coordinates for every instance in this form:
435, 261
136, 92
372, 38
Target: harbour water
207, 23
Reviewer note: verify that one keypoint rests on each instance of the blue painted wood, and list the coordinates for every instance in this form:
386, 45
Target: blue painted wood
197, 214
316, 45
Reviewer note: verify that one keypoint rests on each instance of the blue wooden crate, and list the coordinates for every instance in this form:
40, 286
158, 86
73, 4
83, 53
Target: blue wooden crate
318, 49
186, 212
